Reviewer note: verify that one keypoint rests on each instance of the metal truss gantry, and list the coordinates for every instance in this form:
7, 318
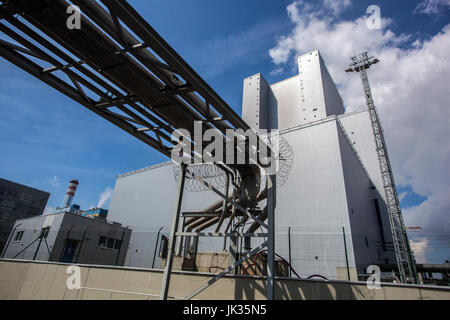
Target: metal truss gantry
404, 255
117, 66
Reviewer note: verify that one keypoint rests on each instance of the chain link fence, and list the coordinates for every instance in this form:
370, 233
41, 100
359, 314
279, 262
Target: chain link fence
332, 254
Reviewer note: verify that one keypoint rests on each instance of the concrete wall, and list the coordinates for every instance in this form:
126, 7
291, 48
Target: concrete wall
47, 281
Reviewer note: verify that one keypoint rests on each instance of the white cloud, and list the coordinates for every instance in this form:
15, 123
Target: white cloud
54, 182
420, 249
410, 86
225, 52
432, 7
337, 6
105, 196
276, 71
402, 196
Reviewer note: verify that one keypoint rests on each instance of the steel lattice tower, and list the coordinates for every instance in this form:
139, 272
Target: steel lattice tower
404, 255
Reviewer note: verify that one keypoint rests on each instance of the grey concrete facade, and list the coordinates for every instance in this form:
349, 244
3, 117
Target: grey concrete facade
70, 238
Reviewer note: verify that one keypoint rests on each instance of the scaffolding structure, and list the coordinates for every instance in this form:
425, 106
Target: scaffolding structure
404, 255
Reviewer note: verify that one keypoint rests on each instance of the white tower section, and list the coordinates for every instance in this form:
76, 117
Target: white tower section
319, 97
307, 97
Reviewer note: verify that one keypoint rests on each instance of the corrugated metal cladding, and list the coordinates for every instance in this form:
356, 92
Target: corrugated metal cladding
314, 203
360, 132
307, 97
328, 193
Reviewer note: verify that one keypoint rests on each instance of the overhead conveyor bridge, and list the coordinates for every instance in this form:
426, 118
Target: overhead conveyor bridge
117, 66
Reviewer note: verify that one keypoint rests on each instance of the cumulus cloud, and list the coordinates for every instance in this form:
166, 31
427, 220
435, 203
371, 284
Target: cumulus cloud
410, 86
420, 249
105, 196
432, 7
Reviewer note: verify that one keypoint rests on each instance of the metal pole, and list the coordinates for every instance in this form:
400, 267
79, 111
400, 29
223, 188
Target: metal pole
179, 242
81, 243
174, 227
346, 254
37, 249
290, 257
9, 239
25, 248
156, 247
65, 243
271, 204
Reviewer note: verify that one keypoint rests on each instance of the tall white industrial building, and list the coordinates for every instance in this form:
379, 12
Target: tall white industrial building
331, 217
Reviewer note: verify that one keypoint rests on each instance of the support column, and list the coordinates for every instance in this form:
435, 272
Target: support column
271, 204
173, 229
233, 252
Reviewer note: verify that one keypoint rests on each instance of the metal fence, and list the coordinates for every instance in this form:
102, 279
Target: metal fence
333, 253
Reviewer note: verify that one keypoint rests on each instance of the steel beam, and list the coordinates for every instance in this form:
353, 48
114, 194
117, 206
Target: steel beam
174, 227
221, 234
271, 204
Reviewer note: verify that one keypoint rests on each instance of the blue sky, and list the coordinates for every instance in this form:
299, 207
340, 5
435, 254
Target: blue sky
46, 139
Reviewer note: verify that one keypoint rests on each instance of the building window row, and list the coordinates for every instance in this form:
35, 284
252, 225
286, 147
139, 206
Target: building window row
110, 243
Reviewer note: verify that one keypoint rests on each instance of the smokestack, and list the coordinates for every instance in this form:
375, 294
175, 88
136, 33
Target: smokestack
70, 193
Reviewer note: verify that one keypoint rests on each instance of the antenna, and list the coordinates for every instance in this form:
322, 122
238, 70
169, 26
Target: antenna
404, 255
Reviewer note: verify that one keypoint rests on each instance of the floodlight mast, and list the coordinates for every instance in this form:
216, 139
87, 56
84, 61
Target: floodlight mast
404, 255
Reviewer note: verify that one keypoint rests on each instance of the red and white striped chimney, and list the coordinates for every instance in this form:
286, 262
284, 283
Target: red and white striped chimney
70, 193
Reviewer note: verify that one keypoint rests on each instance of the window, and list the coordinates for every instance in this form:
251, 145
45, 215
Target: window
110, 243
44, 233
18, 236
102, 241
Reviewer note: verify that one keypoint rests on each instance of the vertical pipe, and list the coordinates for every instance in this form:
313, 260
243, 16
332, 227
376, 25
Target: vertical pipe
271, 203
346, 254
37, 249
156, 247
174, 227
290, 257
179, 241
81, 243
121, 244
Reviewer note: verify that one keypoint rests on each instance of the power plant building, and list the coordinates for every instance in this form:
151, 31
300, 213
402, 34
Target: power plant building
17, 202
331, 218
69, 238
